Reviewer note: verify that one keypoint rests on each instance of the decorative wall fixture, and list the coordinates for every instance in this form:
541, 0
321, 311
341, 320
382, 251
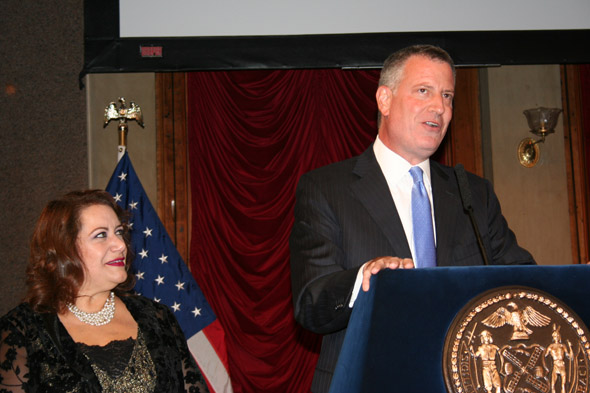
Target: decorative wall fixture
542, 122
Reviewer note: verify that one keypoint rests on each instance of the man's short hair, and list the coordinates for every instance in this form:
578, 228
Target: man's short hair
393, 67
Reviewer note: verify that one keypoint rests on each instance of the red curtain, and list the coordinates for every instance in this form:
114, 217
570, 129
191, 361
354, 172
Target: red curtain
251, 135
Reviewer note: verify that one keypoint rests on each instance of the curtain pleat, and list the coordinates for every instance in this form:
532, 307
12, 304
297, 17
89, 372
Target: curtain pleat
251, 135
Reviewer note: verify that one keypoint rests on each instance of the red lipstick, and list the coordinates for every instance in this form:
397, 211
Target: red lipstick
117, 262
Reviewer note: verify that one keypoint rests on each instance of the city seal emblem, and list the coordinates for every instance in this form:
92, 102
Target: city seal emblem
516, 340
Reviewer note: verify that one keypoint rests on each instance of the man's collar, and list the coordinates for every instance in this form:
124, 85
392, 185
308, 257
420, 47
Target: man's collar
395, 164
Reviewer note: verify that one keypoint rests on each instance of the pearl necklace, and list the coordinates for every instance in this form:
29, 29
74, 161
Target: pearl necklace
102, 317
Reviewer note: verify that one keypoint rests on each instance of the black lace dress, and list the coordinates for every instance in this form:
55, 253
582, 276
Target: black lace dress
122, 365
38, 355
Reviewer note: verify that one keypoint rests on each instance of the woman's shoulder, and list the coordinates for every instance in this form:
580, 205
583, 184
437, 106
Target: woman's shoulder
21, 314
21, 323
142, 306
136, 300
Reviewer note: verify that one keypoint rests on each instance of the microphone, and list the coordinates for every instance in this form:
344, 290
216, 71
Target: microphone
465, 193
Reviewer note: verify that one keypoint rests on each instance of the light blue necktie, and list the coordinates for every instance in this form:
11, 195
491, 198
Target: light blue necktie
422, 222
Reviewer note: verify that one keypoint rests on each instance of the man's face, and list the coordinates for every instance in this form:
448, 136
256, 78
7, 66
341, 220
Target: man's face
415, 116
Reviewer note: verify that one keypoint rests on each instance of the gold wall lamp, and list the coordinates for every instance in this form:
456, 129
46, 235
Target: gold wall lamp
542, 122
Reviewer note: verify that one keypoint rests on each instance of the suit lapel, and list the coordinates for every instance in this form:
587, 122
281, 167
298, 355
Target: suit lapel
447, 208
372, 191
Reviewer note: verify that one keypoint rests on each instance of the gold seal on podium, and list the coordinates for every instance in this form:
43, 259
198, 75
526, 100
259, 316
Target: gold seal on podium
516, 340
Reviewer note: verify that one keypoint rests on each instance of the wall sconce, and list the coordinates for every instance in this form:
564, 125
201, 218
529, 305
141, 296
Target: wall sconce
542, 122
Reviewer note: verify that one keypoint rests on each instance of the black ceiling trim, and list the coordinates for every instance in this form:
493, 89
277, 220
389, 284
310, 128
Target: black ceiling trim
106, 52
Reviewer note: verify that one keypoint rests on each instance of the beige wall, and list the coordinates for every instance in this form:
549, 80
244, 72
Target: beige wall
534, 200
101, 89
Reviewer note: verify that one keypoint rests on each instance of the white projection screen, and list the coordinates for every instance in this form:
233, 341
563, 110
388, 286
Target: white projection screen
205, 18
185, 35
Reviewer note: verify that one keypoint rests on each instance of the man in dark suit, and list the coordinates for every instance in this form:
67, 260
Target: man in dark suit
354, 218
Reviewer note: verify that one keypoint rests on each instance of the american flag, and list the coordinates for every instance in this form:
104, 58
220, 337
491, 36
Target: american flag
162, 275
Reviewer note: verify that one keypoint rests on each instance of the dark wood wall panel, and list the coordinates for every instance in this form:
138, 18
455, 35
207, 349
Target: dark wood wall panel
575, 157
172, 166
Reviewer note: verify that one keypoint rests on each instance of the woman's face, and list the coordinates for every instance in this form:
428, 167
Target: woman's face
102, 249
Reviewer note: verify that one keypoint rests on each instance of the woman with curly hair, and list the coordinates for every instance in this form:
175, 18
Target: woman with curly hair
79, 328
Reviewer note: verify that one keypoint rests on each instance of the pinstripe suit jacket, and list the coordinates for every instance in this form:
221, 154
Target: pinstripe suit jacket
345, 216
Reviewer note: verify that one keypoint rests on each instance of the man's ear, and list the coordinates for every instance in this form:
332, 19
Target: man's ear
383, 96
